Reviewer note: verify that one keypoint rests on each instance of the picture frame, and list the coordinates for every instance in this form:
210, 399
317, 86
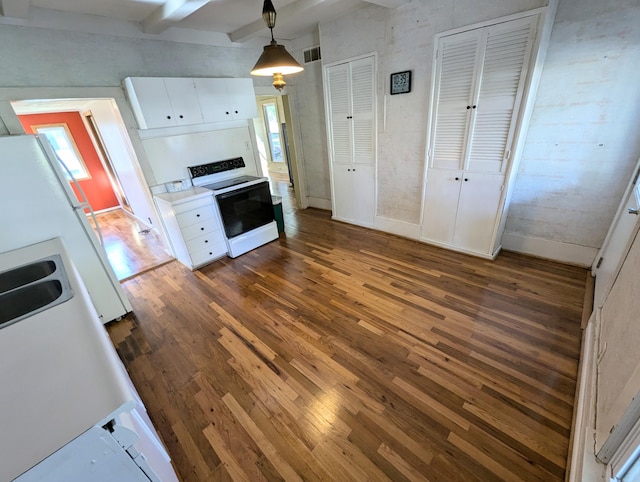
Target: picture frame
401, 82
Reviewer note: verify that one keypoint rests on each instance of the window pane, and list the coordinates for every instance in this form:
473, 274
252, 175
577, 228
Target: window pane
64, 147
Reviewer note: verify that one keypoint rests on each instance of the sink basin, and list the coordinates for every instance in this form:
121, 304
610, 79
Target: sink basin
32, 288
24, 275
17, 303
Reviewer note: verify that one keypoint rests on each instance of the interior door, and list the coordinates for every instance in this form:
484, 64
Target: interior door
618, 240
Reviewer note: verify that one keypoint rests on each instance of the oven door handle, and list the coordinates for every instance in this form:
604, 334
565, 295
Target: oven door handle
242, 190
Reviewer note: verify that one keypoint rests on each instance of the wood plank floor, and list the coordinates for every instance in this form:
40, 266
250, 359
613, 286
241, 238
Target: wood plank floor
131, 248
340, 353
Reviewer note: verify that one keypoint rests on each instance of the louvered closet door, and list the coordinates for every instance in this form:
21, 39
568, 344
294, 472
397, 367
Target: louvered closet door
458, 57
507, 48
338, 83
362, 96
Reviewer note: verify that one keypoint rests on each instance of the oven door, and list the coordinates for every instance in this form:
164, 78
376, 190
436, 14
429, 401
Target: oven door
245, 209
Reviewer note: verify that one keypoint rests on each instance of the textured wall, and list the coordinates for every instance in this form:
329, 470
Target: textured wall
583, 139
309, 112
403, 40
56, 58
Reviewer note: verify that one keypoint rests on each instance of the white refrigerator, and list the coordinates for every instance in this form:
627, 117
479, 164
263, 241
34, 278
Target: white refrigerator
39, 204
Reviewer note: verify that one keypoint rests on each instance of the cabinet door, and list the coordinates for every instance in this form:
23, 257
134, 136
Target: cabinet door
339, 113
504, 70
212, 94
342, 192
456, 72
441, 205
478, 207
362, 110
184, 101
363, 192
354, 193
150, 102
242, 98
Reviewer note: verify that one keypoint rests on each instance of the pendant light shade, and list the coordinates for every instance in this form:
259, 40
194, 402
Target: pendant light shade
275, 60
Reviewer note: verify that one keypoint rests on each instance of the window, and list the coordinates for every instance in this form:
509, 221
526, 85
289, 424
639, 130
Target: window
65, 148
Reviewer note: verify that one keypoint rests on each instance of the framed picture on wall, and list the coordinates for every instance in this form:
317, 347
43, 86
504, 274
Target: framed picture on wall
401, 82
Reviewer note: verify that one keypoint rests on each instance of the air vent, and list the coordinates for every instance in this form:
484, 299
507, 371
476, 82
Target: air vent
312, 54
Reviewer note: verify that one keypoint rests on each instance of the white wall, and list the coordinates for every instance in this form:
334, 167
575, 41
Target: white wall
583, 139
403, 40
308, 108
582, 142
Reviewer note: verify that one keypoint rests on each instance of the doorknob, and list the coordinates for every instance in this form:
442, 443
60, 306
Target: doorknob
633, 211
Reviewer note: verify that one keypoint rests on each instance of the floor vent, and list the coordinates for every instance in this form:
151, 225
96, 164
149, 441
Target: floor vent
312, 54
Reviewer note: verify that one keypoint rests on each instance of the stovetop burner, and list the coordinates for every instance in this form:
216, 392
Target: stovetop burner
234, 181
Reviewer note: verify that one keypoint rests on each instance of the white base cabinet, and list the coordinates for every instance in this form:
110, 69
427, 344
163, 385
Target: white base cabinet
354, 193
461, 210
192, 225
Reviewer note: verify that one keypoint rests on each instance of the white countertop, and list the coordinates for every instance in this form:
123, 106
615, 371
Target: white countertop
59, 375
184, 196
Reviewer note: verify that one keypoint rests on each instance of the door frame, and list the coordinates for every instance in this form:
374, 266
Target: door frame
140, 163
297, 170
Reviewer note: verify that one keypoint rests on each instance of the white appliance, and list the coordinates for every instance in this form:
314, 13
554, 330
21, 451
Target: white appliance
38, 204
244, 204
69, 410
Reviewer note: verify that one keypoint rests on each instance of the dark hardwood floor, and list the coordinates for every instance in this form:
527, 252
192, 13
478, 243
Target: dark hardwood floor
341, 353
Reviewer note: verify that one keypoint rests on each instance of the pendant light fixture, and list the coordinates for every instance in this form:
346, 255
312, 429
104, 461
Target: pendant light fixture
275, 60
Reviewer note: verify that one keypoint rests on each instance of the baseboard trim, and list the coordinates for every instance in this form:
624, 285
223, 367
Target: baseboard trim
319, 203
400, 228
554, 250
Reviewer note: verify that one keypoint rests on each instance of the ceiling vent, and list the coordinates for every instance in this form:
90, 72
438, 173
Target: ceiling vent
312, 54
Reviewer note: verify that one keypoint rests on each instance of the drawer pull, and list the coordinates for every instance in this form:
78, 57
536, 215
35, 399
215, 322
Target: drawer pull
201, 229
206, 240
197, 215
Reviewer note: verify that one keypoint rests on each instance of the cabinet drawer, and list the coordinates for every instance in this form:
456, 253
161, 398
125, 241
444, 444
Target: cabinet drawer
205, 241
194, 216
199, 202
208, 254
200, 228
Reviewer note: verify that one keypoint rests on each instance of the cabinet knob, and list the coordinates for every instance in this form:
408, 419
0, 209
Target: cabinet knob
181, 116
468, 107
168, 117
236, 112
197, 215
457, 178
227, 112
466, 179
210, 253
474, 106
206, 240
201, 229
354, 169
348, 170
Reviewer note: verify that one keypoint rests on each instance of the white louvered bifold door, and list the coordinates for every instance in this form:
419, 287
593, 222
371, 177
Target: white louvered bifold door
338, 82
458, 58
362, 99
507, 48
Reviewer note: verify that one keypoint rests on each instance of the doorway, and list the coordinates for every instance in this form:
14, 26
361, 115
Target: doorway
272, 138
113, 190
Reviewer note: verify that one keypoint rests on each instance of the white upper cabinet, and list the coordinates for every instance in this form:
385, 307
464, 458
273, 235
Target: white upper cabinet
480, 77
168, 102
351, 111
226, 99
159, 102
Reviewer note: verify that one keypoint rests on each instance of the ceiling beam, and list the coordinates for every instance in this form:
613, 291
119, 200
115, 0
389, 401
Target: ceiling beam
389, 3
284, 15
15, 8
170, 13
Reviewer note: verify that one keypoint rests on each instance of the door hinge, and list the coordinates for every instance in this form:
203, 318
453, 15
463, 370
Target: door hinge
507, 154
599, 262
635, 178
502, 188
